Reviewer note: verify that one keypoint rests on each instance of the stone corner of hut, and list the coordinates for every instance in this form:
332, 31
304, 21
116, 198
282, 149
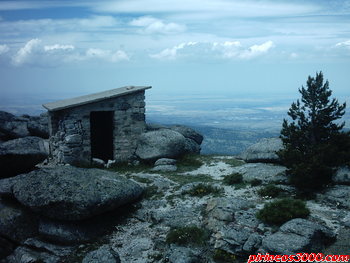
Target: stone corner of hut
103, 125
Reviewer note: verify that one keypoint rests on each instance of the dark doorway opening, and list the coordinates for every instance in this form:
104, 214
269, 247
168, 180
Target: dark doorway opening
101, 125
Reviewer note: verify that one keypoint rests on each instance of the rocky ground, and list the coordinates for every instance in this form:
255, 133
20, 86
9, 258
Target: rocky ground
193, 209
226, 217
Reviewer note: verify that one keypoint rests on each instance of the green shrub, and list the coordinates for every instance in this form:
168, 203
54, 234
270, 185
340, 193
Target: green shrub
128, 169
270, 190
233, 162
223, 256
202, 190
188, 162
255, 182
282, 210
183, 179
187, 235
142, 180
234, 178
241, 185
152, 192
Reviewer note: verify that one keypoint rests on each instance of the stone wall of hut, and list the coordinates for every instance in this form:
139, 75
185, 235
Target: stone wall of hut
70, 129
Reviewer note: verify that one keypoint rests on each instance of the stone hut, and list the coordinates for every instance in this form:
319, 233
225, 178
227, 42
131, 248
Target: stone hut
104, 125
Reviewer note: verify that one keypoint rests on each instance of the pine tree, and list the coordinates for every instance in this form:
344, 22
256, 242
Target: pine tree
312, 134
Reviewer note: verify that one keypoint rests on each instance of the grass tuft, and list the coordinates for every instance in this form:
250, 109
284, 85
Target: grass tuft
233, 162
127, 169
231, 179
222, 256
271, 191
183, 179
255, 182
201, 190
188, 235
189, 162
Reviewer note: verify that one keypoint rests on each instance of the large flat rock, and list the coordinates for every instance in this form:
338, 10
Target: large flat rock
163, 143
70, 193
12, 127
297, 236
16, 224
263, 151
21, 155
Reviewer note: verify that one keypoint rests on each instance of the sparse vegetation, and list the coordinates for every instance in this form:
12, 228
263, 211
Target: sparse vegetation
201, 190
283, 210
142, 180
232, 179
241, 185
188, 235
128, 169
222, 256
207, 159
270, 191
255, 182
151, 192
186, 179
189, 162
233, 162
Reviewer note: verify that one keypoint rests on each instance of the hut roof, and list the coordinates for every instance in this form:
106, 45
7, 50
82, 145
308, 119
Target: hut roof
95, 97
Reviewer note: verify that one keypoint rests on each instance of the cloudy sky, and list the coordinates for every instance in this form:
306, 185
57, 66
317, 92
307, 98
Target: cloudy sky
57, 49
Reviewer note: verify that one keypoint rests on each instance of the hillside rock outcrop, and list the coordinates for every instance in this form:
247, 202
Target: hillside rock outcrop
263, 151
13, 127
189, 133
342, 176
103, 254
234, 225
73, 232
21, 155
165, 165
158, 144
70, 193
6, 248
339, 195
298, 235
39, 125
168, 142
16, 223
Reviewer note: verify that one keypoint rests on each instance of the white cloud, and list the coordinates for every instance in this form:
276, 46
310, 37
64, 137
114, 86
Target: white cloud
229, 49
152, 25
293, 55
58, 47
143, 21
4, 49
257, 50
107, 55
172, 53
345, 44
234, 49
23, 55
36, 54
214, 50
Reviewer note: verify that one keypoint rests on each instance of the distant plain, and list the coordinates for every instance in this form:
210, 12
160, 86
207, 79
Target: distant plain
229, 123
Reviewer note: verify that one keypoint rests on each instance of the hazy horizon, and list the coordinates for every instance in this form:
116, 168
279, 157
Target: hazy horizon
178, 47
201, 57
